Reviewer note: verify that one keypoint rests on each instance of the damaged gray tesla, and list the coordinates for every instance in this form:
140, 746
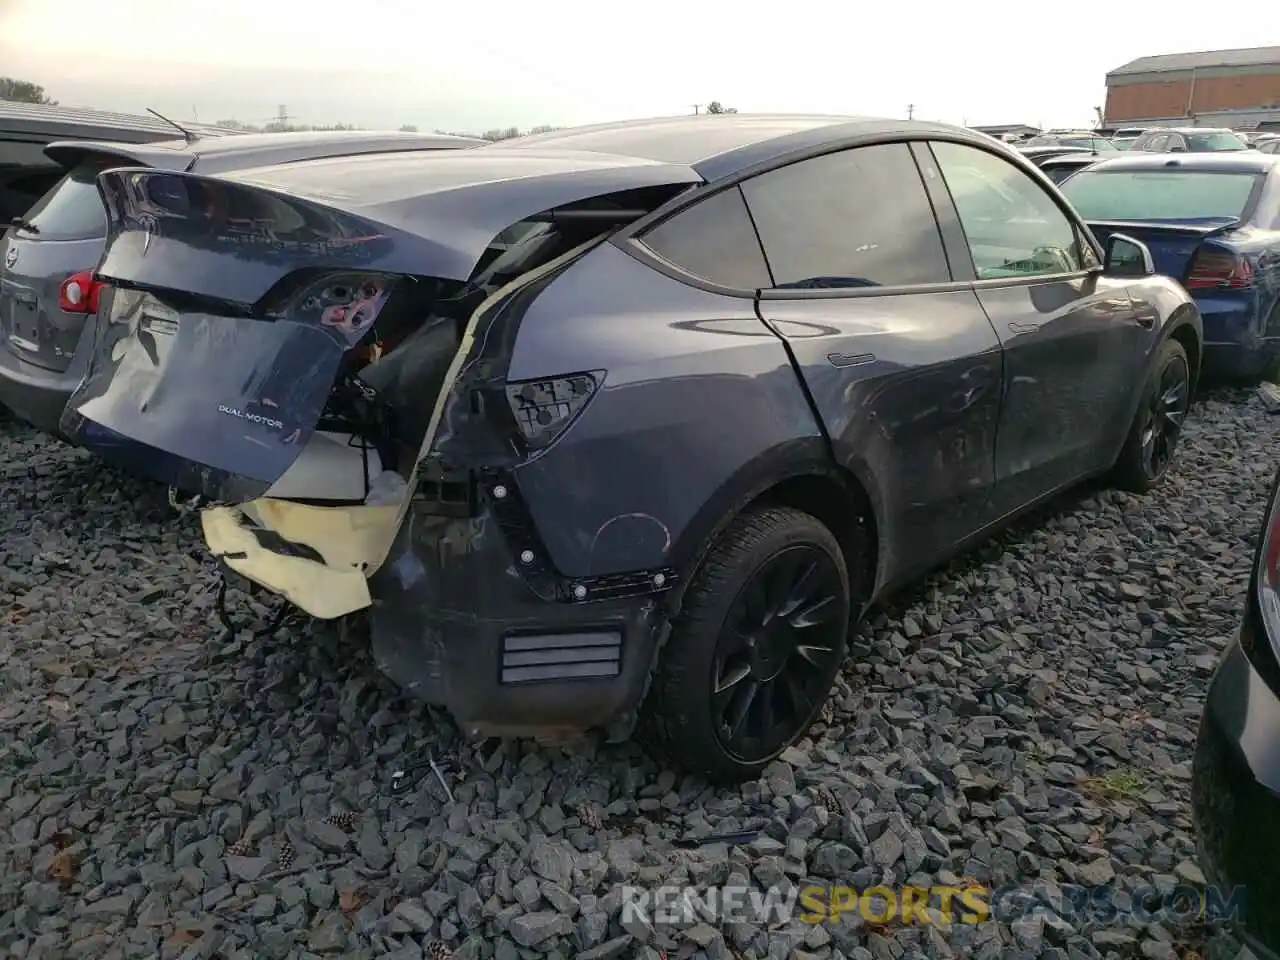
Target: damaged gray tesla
626, 425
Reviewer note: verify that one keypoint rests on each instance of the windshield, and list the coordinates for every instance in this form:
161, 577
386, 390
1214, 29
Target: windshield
1214, 142
1159, 195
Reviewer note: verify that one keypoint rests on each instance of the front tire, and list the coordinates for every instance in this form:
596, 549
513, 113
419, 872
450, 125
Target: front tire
1153, 436
755, 651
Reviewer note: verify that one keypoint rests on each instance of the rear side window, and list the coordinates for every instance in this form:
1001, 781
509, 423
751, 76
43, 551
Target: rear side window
72, 210
857, 218
713, 240
1159, 195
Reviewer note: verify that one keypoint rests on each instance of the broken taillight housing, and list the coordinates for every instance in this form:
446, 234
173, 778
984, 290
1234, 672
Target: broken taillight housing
544, 408
347, 303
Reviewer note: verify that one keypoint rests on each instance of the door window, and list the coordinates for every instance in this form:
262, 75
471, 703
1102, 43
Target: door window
714, 240
1157, 143
1013, 227
853, 219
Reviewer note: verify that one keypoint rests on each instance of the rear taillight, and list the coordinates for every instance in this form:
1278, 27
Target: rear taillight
544, 408
79, 293
1219, 270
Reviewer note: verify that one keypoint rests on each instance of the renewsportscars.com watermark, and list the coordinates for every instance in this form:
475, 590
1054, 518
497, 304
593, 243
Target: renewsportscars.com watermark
939, 905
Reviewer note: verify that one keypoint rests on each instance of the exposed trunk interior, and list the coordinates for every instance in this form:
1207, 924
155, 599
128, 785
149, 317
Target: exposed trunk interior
248, 356
371, 430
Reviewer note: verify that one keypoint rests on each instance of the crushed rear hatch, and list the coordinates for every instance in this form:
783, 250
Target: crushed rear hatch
280, 342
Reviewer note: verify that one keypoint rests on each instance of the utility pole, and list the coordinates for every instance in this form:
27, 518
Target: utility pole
911, 111
282, 117
697, 109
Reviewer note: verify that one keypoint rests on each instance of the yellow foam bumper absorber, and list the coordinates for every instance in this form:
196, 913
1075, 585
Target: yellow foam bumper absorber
352, 541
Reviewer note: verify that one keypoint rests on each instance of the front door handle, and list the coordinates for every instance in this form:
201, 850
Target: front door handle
1146, 320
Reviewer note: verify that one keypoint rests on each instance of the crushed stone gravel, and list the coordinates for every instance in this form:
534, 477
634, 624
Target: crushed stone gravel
1025, 716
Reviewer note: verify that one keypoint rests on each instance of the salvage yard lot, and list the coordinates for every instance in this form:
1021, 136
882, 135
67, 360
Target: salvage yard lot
1028, 714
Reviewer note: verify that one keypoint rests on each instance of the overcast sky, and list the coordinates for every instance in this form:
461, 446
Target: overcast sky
469, 66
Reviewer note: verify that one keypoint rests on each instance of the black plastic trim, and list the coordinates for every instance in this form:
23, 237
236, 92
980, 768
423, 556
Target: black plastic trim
502, 495
581, 655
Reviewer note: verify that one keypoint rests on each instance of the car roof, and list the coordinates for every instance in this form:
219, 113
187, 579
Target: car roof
256, 149
1190, 130
56, 122
1234, 161
721, 145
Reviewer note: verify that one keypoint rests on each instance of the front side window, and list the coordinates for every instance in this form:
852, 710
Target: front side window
856, 218
1014, 228
1159, 194
713, 240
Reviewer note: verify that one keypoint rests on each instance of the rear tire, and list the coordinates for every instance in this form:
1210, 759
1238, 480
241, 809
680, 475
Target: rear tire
1153, 436
760, 639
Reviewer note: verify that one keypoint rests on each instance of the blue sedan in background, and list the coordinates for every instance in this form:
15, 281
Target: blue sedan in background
1212, 222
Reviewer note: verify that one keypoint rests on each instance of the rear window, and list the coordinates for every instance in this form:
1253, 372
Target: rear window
1213, 142
1159, 195
72, 210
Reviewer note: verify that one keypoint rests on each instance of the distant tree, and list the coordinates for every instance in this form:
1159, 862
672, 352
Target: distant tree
25, 91
408, 128
715, 106
542, 128
501, 134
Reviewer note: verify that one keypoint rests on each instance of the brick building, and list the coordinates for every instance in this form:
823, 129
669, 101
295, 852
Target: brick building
1235, 88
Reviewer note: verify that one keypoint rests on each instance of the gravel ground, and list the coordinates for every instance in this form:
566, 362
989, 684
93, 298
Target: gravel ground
1027, 715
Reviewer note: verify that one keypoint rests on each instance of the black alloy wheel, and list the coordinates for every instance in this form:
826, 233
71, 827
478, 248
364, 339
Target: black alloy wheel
778, 651
1166, 411
1153, 436
753, 654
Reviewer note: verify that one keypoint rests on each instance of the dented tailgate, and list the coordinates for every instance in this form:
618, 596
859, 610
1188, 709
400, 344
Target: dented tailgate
239, 298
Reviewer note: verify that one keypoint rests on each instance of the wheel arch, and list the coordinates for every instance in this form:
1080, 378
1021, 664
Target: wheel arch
1185, 328
801, 474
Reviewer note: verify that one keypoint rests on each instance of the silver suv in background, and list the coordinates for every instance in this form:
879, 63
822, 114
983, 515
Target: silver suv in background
27, 128
47, 289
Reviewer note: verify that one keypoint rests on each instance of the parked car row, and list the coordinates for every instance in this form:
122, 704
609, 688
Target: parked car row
1156, 140
624, 427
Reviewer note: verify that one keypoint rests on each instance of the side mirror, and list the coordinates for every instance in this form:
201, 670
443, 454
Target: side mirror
1127, 257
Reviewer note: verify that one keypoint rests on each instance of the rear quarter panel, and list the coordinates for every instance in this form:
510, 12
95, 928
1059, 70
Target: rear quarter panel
1172, 310
700, 410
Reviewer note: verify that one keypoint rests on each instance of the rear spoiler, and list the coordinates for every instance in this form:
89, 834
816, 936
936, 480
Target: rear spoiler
161, 156
232, 238
1175, 229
